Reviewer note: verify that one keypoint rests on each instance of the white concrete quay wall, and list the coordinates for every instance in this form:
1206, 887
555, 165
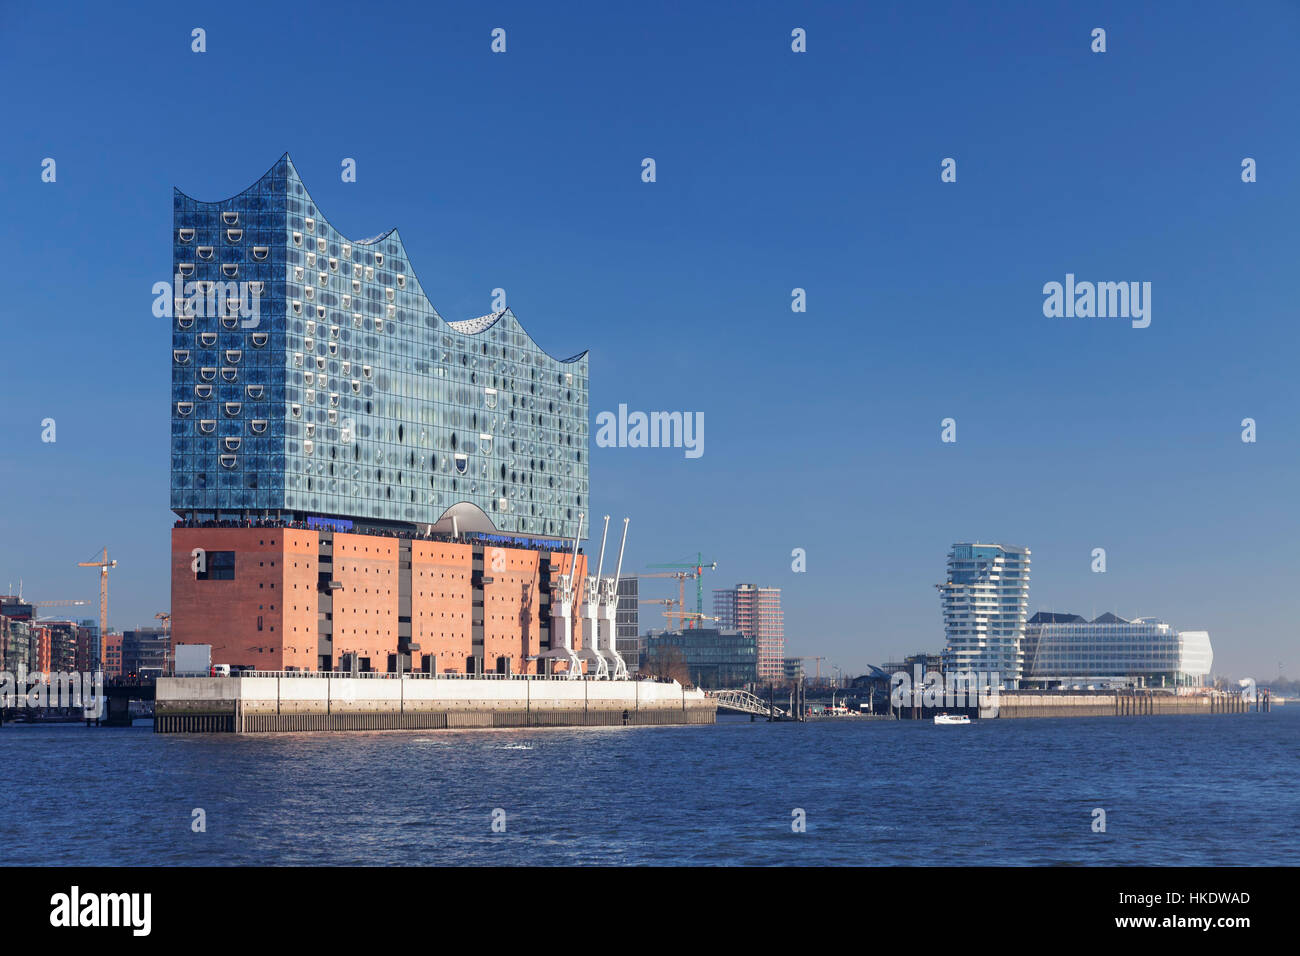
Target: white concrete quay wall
318, 695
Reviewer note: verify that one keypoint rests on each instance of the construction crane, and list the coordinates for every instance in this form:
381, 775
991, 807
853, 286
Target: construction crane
668, 603
36, 604
696, 571
104, 565
692, 616
681, 576
810, 658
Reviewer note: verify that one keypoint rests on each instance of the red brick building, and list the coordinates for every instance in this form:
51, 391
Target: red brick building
113, 656
276, 598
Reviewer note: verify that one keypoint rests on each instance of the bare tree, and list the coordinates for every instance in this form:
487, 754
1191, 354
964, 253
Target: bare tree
668, 663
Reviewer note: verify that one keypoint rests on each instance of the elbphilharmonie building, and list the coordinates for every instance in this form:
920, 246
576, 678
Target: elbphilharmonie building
359, 483
985, 605
313, 378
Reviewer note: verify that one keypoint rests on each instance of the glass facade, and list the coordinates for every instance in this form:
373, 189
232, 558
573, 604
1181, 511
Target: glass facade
311, 375
715, 657
627, 621
1065, 650
985, 605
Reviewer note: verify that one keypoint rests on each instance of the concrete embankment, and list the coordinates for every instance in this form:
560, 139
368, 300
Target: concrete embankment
1115, 704
290, 702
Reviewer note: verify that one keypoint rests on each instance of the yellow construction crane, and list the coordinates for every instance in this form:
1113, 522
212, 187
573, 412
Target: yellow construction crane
694, 616
104, 565
682, 616
694, 569
682, 577
668, 603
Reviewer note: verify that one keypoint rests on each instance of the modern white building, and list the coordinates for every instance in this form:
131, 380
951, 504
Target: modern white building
1064, 650
985, 605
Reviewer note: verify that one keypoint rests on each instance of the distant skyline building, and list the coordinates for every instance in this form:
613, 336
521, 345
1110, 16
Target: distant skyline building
1063, 650
985, 606
19, 636
146, 650
755, 612
113, 655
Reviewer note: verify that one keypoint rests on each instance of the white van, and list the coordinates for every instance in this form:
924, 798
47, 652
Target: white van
220, 670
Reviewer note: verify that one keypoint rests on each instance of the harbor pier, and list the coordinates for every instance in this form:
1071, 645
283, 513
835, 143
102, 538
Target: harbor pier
271, 701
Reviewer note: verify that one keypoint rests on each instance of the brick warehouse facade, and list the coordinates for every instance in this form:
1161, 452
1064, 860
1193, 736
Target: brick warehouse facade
283, 598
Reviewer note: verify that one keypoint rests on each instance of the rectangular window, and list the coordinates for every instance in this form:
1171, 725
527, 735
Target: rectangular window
220, 567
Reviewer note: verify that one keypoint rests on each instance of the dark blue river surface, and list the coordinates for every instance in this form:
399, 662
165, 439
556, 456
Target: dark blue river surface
1176, 790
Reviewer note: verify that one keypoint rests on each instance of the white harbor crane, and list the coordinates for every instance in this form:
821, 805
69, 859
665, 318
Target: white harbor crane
609, 608
596, 665
562, 598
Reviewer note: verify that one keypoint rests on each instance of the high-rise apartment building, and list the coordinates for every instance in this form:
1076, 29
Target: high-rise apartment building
985, 605
755, 612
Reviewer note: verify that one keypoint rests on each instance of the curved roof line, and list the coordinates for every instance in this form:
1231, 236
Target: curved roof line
353, 242
213, 202
466, 327
475, 326
481, 324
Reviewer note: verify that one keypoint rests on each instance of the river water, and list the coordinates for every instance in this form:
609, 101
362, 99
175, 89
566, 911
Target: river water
1175, 790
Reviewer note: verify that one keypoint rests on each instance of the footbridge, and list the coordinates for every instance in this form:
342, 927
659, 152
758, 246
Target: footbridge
742, 701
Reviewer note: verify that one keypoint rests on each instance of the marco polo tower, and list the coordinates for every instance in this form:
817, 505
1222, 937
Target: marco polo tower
985, 606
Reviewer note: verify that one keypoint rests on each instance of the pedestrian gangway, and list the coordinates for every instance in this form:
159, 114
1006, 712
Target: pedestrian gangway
744, 702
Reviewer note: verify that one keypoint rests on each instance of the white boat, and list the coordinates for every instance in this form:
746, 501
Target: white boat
951, 719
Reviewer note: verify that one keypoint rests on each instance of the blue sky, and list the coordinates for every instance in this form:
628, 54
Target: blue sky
775, 170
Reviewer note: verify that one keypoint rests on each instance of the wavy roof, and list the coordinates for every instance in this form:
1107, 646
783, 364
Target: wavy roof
467, 327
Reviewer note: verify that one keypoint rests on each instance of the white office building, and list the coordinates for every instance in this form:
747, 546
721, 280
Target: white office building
1064, 650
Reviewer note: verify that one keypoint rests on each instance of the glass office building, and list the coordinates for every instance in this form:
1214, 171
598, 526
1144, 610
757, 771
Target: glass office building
312, 377
627, 621
1064, 650
985, 605
715, 657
